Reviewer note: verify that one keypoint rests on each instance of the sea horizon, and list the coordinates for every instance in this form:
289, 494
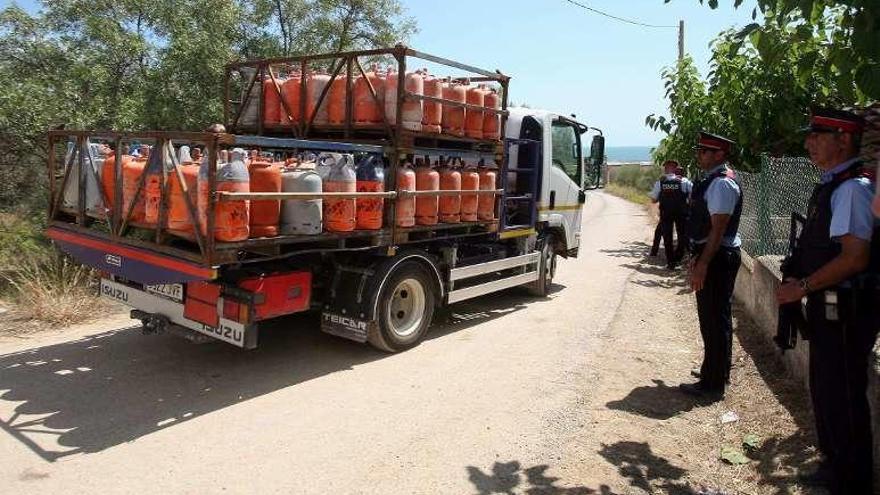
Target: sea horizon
629, 154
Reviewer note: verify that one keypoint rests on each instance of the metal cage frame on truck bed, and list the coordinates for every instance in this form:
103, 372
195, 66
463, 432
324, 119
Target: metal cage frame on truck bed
113, 226
385, 133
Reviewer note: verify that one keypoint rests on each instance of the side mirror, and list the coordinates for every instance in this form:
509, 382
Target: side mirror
597, 149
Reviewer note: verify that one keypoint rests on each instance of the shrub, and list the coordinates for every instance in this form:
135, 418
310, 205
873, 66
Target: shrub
48, 286
637, 176
19, 237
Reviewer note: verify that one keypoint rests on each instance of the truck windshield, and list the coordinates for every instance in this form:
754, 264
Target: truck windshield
567, 149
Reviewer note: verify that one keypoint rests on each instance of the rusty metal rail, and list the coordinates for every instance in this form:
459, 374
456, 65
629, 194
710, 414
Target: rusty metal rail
239, 196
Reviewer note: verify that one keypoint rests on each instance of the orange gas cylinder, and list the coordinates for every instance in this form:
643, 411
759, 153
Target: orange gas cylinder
492, 121
427, 179
131, 175
178, 214
405, 210
153, 189
390, 97
366, 109
231, 218
271, 102
340, 215
336, 101
314, 88
370, 178
413, 110
290, 93
470, 181
108, 176
450, 206
453, 116
433, 111
265, 176
486, 202
474, 120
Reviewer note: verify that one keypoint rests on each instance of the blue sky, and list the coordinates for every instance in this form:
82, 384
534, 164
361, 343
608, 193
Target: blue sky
567, 59
570, 60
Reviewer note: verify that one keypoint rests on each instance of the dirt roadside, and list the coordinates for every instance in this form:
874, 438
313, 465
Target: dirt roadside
639, 429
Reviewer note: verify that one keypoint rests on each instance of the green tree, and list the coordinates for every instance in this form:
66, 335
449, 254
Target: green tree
691, 110
759, 89
315, 26
849, 29
158, 64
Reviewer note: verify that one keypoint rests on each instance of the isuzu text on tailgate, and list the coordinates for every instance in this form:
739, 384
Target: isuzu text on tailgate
226, 330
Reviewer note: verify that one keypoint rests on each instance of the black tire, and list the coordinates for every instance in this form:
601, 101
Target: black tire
546, 268
405, 308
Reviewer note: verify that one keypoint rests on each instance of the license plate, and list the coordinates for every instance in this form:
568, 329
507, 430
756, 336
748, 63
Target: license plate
170, 291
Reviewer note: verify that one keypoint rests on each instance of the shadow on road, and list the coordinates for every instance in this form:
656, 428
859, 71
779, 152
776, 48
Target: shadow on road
659, 401
103, 390
634, 461
511, 478
649, 265
644, 469
632, 249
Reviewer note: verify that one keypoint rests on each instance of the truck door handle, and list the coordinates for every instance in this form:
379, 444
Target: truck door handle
552, 199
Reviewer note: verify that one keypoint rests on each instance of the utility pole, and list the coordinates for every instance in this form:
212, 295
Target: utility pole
681, 40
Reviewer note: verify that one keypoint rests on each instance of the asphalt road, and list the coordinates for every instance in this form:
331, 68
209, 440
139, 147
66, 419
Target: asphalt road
488, 400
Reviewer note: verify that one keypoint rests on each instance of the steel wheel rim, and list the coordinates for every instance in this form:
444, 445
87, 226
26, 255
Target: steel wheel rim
406, 308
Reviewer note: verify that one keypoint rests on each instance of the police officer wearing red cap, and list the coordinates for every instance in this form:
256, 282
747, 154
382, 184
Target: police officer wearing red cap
672, 192
836, 263
715, 210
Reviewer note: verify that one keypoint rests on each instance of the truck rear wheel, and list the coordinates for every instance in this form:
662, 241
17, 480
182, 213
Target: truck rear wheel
546, 269
405, 308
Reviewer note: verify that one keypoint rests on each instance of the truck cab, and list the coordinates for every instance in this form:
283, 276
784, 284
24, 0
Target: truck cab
556, 142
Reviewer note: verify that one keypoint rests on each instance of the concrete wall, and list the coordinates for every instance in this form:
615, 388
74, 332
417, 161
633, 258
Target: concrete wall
756, 286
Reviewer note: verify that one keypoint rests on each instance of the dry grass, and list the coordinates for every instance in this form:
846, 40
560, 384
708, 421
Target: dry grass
49, 287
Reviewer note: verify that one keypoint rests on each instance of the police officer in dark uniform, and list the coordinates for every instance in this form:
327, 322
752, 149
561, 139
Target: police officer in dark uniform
715, 210
672, 192
836, 263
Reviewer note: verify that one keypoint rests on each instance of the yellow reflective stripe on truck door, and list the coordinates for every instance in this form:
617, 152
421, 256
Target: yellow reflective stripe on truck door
560, 208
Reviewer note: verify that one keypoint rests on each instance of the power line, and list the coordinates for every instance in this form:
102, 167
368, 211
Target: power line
606, 14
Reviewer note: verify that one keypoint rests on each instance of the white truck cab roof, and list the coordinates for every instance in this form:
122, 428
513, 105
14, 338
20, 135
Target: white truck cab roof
517, 114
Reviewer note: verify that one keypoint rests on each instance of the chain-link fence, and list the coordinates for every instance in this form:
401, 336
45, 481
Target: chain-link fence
784, 185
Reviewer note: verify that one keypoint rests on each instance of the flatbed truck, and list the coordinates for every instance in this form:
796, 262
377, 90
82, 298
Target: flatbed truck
377, 286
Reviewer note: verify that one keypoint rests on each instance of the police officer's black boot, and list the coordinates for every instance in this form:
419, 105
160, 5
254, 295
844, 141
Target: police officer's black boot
655, 246
701, 392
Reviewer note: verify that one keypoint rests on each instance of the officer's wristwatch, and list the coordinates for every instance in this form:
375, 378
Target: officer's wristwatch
805, 286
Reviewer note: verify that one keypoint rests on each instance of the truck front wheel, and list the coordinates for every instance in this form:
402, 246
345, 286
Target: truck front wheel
546, 268
405, 308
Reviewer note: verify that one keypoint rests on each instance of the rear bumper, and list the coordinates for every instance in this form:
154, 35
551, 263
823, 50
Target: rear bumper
129, 262
229, 331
